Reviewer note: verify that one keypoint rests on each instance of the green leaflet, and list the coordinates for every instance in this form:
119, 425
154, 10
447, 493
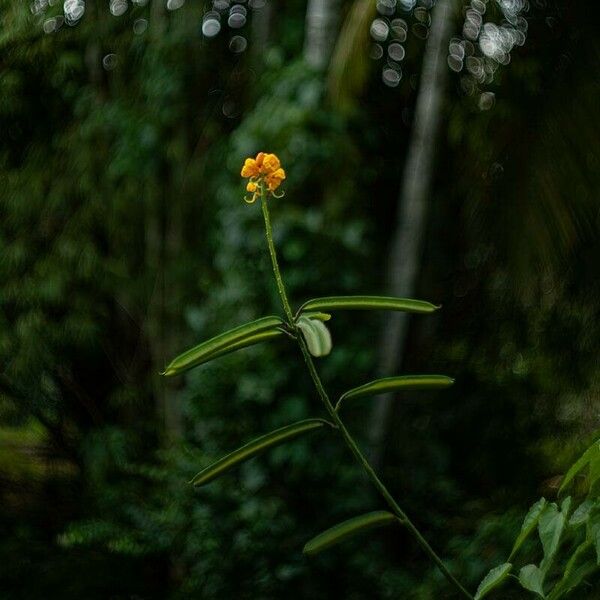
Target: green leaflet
492, 580
368, 303
594, 472
529, 524
550, 527
346, 529
255, 447
591, 454
593, 530
234, 339
581, 513
393, 384
316, 335
580, 565
532, 578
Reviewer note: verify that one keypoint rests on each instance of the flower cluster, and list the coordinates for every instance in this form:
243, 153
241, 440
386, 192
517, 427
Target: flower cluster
263, 170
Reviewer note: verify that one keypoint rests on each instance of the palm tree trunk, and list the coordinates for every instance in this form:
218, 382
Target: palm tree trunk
322, 18
261, 31
413, 204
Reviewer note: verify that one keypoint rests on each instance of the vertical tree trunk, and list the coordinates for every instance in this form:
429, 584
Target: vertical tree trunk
322, 18
406, 246
163, 240
261, 29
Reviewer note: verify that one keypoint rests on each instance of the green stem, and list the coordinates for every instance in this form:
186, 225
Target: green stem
273, 253
348, 439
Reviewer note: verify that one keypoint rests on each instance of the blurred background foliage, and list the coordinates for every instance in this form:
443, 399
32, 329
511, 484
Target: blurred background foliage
124, 239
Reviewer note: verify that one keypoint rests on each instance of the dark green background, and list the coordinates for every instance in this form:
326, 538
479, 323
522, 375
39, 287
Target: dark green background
124, 240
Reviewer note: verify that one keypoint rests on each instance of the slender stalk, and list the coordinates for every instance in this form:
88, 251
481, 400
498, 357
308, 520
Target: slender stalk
339, 425
276, 271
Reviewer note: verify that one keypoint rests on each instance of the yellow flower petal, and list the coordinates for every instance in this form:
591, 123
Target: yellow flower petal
270, 163
278, 174
250, 168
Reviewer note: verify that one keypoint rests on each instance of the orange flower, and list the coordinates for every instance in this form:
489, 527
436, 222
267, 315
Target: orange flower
265, 168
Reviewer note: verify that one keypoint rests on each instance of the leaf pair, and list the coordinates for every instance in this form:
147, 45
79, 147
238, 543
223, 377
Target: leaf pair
309, 319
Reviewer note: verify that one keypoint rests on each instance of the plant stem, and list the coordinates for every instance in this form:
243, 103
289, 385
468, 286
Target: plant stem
348, 439
276, 271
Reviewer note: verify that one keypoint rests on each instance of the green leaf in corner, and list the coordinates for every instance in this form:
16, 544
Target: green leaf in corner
593, 530
594, 473
581, 513
394, 384
367, 303
529, 524
531, 578
492, 580
591, 454
346, 529
316, 335
580, 565
234, 339
254, 448
550, 527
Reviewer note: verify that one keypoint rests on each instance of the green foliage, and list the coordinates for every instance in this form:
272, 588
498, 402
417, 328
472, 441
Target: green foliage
558, 527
